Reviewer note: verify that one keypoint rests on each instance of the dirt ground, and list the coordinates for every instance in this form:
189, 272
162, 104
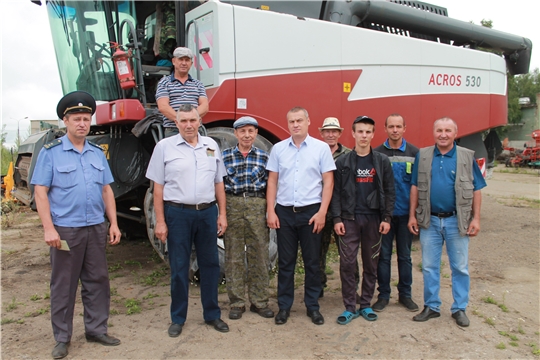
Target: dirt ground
503, 309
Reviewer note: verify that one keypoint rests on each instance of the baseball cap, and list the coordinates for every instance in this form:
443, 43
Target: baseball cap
180, 52
245, 120
364, 119
331, 123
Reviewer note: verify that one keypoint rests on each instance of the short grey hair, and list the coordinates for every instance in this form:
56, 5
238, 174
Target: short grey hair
186, 108
444, 119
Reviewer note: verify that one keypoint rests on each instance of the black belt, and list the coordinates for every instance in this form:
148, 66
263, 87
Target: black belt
298, 209
443, 214
250, 194
190, 207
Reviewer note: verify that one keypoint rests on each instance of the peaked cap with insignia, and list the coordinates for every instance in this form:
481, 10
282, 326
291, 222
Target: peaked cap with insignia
76, 102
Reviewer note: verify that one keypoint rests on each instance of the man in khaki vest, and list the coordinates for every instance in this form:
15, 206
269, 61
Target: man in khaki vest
445, 211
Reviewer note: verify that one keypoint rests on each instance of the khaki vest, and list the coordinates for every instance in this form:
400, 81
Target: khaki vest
463, 186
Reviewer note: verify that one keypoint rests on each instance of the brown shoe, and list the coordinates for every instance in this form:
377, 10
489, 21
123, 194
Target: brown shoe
265, 312
236, 312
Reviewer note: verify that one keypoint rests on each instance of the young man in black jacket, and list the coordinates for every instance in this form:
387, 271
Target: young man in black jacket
362, 206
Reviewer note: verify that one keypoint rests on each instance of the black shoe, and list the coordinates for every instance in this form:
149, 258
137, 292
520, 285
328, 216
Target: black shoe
265, 312
219, 325
103, 339
60, 350
461, 318
380, 305
175, 330
408, 303
236, 312
316, 317
426, 314
282, 316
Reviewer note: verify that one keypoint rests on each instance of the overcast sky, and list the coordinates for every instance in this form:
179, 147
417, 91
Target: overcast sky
31, 87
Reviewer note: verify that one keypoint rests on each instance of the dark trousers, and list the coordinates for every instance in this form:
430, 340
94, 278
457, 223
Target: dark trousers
364, 232
326, 238
187, 227
294, 229
86, 261
404, 238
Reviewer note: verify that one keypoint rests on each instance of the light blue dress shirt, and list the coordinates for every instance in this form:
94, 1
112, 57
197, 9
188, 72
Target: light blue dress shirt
75, 180
300, 170
188, 174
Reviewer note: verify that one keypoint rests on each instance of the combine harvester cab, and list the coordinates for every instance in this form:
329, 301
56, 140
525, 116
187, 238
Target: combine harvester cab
260, 59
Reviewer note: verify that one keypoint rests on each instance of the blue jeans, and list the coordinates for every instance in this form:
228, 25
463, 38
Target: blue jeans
187, 227
404, 238
432, 239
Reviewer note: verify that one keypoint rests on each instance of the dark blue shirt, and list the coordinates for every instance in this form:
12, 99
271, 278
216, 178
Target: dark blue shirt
443, 178
245, 174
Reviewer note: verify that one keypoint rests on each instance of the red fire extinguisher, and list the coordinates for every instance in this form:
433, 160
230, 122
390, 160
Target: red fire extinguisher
123, 68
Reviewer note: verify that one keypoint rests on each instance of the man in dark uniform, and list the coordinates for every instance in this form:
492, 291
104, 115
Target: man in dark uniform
72, 195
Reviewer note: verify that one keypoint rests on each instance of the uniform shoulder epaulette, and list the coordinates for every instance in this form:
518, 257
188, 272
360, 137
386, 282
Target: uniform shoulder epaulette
52, 144
96, 145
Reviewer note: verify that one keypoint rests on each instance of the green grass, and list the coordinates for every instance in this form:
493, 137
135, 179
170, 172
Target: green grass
6, 321
513, 343
154, 278
490, 321
150, 295
133, 262
520, 330
115, 267
35, 297
501, 346
420, 266
133, 306
13, 305
503, 308
47, 295
503, 333
489, 300
114, 312
513, 337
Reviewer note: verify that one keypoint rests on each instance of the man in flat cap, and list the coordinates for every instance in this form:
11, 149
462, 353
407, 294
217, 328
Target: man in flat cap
330, 133
180, 88
72, 193
247, 237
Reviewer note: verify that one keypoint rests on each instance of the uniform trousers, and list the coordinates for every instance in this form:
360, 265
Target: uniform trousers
294, 228
362, 231
198, 227
86, 261
246, 251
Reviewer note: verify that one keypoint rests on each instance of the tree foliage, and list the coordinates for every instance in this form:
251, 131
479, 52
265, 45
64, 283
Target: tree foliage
6, 153
519, 86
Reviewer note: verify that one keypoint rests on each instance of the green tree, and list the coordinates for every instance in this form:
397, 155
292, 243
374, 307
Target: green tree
6, 153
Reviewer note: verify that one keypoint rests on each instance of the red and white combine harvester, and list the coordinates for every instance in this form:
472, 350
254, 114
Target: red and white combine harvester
261, 58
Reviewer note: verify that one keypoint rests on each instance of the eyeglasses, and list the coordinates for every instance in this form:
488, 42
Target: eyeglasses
363, 119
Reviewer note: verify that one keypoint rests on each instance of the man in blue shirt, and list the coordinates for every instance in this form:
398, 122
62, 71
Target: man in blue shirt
401, 154
247, 237
180, 88
72, 193
300, 183
445, 207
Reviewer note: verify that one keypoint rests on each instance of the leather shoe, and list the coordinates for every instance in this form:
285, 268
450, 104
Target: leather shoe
380, 304
265, 312
426, 314
282, 316
236, 312
219, 325
461, 318
60, 350
408, 303
103, 339
175, 330
316, 317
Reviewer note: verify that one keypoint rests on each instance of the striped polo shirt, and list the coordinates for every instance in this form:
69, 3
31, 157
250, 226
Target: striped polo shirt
179, 94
